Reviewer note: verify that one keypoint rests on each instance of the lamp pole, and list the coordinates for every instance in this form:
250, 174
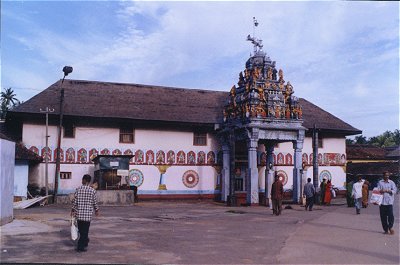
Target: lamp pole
315, 156
67, 70
46, 158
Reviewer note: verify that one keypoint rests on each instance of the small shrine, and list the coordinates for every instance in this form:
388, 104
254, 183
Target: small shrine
260, 110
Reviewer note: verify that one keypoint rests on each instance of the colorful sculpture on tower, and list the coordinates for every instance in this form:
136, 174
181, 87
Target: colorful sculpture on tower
260, 93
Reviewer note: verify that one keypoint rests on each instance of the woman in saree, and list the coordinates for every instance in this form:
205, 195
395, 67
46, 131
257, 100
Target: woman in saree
328, 193
365, 190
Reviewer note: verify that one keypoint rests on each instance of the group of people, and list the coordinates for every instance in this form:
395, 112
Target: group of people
84, 202
326, 191
309, 193
359, 194
364, 193
387, 188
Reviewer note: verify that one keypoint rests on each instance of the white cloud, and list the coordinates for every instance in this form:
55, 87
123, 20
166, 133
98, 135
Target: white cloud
334, 53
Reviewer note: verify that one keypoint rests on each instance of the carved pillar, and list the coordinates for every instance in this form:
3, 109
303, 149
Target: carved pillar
232, 145
252, 180
269, 173
225, 172
297, 170
303, 181
218, 169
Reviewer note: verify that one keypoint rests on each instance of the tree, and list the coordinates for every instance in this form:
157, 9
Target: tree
396, 136
386, 139
349, 141
361, 139
8, 100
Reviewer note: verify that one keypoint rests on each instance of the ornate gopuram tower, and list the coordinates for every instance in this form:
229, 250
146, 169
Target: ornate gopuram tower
260, 110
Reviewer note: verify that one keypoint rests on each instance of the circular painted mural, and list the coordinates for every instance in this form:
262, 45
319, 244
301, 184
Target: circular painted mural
136, 177
282, 176
325, 174
190, 178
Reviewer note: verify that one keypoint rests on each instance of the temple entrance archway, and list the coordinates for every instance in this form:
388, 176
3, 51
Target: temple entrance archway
260, 111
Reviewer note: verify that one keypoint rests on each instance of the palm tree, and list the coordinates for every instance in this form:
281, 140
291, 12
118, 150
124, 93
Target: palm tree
8, 100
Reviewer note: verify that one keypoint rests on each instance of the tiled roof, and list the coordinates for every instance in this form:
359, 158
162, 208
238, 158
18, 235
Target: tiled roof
372, 168
393, 152
23, 153
366, 152
155, 103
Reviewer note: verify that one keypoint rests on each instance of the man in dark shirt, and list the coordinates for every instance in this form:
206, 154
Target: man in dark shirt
309, 192
322, 191
82, 208
277, 195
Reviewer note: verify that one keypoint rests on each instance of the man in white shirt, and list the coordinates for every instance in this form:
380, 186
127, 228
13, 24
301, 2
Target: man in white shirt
388, 189
357, 194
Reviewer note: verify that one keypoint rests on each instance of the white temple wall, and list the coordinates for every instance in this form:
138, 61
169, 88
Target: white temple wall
145, 139
327, 167
108, 138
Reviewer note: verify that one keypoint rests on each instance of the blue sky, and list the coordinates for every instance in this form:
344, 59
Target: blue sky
342, 56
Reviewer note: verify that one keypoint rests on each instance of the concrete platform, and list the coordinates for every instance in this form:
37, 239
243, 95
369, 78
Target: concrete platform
104, 197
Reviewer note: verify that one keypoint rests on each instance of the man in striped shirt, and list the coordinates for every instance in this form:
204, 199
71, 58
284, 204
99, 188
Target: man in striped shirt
83, 204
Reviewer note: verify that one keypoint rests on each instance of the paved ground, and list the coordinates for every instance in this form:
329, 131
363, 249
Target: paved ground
203, 233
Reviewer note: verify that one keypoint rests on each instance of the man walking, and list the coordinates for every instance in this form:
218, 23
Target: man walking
388, 189
357, 194
82, 208
309, 192
277, 195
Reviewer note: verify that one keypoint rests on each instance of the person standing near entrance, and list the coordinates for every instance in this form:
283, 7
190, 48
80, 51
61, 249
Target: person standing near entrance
328, 193
277, 195
83, 204
309, 193
322, 190
357, 194
388, 189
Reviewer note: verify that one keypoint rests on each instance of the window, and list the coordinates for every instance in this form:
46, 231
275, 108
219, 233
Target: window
199, 138
69, 130
126, 135
65, 175
320, 143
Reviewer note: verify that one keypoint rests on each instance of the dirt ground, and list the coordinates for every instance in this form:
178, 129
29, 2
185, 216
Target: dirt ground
201, 233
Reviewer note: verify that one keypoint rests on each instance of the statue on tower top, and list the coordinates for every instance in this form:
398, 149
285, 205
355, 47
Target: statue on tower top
256, 42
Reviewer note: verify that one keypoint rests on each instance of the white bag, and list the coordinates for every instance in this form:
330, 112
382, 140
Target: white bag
74, 229
333, 193
376, 197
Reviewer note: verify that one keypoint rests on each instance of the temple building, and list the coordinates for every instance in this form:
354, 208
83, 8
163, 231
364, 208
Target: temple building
184, 143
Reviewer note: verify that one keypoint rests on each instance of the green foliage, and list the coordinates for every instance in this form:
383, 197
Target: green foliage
386, 139
360, 139
8, 101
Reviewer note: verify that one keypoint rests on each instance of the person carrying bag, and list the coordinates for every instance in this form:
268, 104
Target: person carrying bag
74, 229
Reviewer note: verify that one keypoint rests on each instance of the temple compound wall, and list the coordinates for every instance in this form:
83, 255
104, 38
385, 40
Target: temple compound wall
166, 162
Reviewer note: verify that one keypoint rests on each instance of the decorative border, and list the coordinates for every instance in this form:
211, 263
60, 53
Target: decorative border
136, 177
283, 177
325, 173
190, 178
72, 155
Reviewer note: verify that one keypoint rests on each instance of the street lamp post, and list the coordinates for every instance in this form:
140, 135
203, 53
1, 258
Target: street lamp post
67, 70
46, 158
315, 156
